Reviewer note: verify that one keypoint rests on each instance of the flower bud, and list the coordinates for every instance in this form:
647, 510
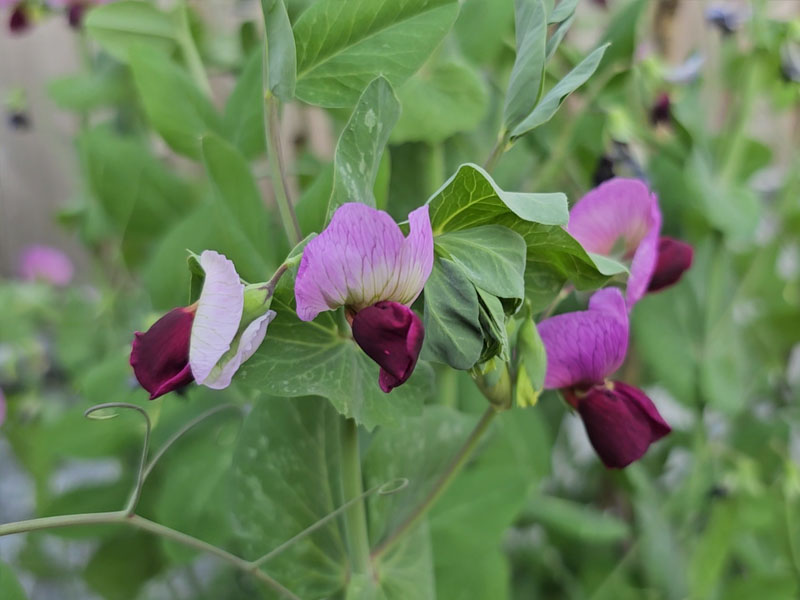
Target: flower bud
532, 365
494, 381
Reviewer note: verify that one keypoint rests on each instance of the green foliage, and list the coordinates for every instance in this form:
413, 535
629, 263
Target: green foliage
120, 26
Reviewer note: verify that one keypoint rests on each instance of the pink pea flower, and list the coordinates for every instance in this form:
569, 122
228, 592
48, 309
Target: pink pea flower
363, 262
583, 349
200, 342
45, 263
620, 219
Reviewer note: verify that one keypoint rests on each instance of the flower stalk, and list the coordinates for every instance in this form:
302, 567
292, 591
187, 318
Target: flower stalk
356, 514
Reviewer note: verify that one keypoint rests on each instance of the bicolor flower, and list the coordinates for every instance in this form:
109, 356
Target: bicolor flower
621, 219
45, 263
362, 261
584, 348
205, 342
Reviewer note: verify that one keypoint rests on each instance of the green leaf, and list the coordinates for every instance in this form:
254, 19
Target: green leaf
119, 26
280, 73
86, 91
492, 257
492, 318
471, 198
481, 29
122, 565
438, 102
300, 358
342, 46
180, 112
452, 330
10, 589
563, 15
551, 101
360, 146
575, 520
527, 75
608, 266
285, 477
243, 118
236, 189
563, 11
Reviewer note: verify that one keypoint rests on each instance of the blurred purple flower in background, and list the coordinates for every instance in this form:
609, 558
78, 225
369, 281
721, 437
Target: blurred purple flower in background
363, 262
45, 263
583, 349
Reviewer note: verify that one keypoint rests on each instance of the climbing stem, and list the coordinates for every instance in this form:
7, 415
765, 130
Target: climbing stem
277, 169
356, 514
445, 479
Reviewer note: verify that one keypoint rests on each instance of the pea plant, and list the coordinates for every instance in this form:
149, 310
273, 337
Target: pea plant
356, 367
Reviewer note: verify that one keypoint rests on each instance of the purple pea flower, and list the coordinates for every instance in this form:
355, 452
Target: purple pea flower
201, 342
583, 349
363, 262
621, 219
45, 263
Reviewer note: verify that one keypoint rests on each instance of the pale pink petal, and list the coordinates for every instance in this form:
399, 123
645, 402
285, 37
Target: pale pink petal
621, 219
585, 347
45, 263
219, 311
249, 342
362, 258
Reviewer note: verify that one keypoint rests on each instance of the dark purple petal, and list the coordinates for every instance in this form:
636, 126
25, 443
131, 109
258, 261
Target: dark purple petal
621, 422
75, 12
585, 347
391, 334
19, 21
160, 356
674, 258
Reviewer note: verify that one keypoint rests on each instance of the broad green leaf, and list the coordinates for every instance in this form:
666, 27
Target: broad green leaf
10, 589
119, 26
447, 98
318, 358
471, 198
576, 520
342, 46
236, 190
491, 256
360, 146
280, 72
285, 477
452, 330
549, 104
180, 112
121, 565
243, 118
527, 75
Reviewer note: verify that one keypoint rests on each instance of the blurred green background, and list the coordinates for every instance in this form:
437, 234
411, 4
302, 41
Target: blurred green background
105, 169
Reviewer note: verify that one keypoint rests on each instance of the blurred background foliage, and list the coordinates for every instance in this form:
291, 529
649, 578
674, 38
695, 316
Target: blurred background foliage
705, 107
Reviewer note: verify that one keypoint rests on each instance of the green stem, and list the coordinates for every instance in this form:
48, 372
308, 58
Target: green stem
499, 149
277, 169
356, 515
189, 50
456, 464
738, 140
122, 518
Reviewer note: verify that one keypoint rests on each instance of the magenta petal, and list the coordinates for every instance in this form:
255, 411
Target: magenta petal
585, 347
674, 258
621, 423
391, 334
45, 263
362, 258
620, 215
160, 356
